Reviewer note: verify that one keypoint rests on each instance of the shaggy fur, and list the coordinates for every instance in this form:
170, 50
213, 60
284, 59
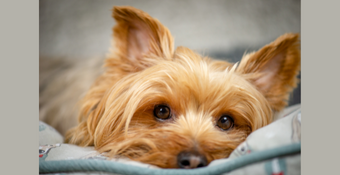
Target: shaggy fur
144, 70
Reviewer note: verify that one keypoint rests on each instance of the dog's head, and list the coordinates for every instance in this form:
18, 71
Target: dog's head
175, 109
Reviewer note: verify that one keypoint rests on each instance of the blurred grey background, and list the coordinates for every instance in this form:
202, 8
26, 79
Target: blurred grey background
222, 29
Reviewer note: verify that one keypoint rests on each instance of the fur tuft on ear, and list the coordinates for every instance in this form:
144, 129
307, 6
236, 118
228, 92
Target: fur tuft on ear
274, 69
137, 35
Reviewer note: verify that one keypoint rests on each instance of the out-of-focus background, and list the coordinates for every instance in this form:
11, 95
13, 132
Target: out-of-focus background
223, 29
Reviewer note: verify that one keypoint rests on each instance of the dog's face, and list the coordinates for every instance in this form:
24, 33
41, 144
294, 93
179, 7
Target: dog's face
175, 109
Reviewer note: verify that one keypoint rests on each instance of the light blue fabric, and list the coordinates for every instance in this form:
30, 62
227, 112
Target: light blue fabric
119, 168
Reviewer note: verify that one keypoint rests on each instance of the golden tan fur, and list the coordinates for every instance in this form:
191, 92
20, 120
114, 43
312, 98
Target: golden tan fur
144, 70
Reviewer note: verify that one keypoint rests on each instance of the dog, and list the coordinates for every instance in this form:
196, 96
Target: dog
167, 106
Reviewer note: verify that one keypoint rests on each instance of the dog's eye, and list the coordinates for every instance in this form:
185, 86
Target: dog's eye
225, 122
162, 112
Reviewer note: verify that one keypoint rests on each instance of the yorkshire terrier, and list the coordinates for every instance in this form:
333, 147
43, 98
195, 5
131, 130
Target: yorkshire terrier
167, 106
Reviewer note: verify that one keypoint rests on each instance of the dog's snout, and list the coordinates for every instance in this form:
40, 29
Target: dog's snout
189, 160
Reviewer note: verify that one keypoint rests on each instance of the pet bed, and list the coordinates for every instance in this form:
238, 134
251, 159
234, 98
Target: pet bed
271, 150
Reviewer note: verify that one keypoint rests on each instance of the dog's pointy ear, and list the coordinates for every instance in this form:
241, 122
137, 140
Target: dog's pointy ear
137, 34
274, 68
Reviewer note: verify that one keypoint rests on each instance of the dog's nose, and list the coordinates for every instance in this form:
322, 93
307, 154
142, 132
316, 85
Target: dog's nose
189, 160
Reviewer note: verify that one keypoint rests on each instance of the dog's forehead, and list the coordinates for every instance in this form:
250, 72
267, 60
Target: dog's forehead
203, 74
195, 80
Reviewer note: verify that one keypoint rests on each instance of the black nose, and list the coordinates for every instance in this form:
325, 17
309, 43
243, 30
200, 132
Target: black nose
189, 160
